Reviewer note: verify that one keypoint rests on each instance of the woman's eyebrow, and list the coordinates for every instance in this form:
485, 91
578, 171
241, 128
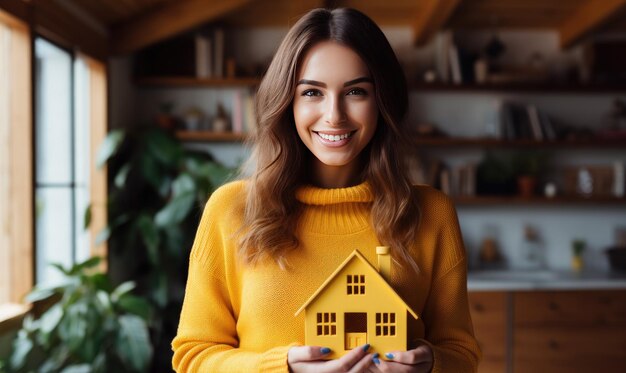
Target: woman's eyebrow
358, 80
346, 84
311, 82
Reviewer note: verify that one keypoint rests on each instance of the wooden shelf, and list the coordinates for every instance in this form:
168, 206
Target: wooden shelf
496, 143
520, 87
520, 201
197, 82
209, 136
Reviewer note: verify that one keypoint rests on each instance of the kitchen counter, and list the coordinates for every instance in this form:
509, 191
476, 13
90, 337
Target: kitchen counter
502, 280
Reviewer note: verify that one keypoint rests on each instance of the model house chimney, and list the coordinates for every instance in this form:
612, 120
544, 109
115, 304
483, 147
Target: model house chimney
384, 262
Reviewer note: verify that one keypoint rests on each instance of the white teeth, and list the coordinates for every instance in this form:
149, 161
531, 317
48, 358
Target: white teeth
334, 137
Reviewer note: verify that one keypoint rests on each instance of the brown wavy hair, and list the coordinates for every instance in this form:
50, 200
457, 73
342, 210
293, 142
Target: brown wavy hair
272, 211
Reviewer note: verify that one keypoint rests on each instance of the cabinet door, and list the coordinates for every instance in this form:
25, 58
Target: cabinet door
571, 308
489, 315
569, 349
569, 331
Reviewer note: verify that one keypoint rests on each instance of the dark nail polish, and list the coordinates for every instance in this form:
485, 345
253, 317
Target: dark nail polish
325, 350
375, 359
366, 347
389, 355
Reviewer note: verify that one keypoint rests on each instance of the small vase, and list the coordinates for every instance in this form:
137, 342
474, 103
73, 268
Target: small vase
577, 263
526, 185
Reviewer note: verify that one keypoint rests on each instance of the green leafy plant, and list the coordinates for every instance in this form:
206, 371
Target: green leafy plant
92, 326
157, 192
578, 246
529, 163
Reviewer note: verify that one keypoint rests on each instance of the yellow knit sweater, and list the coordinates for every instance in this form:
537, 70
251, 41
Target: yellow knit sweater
237, 318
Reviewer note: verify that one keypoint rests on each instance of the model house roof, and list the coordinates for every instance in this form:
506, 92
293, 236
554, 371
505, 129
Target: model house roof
356, 255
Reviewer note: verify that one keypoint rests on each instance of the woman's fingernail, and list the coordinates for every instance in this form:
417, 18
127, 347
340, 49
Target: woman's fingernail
389, 355
375, 358
325, 350
366, 347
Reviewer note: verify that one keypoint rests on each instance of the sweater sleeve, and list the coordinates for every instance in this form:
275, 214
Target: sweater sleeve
449, 330
207, 339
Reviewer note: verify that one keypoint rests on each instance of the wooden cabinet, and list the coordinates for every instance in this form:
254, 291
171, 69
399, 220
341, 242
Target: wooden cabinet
550, 331
577, 331
490, 317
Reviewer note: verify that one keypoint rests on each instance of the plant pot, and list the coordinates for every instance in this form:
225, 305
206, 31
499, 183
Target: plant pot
526, 185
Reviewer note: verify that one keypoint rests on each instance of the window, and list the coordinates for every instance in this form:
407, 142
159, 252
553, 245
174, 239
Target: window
385, 324
71, 87
356, 284
63, 158
326, 323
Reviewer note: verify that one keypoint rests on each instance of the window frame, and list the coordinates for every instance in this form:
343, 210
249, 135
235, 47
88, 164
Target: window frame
21, 207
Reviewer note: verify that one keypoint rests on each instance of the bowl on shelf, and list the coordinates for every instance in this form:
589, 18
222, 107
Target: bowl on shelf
617, 258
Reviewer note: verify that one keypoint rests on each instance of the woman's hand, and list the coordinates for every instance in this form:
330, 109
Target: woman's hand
309, 359
418, 360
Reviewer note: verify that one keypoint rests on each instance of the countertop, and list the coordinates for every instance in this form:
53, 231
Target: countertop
518, 280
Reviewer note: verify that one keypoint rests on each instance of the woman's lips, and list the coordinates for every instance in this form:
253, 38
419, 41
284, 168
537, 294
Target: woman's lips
334, 139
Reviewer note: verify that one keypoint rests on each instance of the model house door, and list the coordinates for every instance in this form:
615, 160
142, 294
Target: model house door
356, 329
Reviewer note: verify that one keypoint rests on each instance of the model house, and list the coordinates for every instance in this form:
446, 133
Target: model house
356, 305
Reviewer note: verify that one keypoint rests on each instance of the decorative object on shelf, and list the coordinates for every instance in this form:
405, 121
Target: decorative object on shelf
220, 122
430, 76
615, 122
165, 118
193, 119
550, 190
481, 70
589, 180
489, 256
532, 251
528, 167
578, 248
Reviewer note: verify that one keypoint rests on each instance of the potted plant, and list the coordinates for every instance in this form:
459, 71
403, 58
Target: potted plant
157, 191
90, 327
528, 167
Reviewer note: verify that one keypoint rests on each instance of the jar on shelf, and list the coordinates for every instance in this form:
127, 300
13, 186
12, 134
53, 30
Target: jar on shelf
532, 251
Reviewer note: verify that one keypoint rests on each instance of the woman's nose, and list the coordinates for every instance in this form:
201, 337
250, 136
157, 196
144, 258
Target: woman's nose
334, 111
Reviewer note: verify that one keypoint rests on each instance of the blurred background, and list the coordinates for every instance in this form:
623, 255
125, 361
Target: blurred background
119, 118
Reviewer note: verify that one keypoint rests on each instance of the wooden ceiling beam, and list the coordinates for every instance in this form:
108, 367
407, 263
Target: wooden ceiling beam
433, 15
589, 17
168, 20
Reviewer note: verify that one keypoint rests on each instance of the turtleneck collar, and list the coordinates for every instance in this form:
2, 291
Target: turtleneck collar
312, 195
336, 211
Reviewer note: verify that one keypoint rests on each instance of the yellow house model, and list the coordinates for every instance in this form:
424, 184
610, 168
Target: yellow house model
356, 305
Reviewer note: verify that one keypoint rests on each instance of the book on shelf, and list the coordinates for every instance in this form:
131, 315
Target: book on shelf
249, 118
525, 122
204, 64
535, 122
455, 64
218, 35
443, 41
237, 113
464, 180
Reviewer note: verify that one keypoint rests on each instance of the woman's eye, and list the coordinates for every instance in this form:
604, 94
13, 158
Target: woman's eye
311, 93
357, 91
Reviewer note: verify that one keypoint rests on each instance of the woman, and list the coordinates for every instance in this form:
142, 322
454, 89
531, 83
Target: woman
328, 178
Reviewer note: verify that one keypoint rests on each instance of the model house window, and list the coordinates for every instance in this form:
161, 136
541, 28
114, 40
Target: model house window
385, 324
356, 284
326, 323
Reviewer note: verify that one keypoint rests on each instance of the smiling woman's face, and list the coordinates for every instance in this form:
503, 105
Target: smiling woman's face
335, 112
